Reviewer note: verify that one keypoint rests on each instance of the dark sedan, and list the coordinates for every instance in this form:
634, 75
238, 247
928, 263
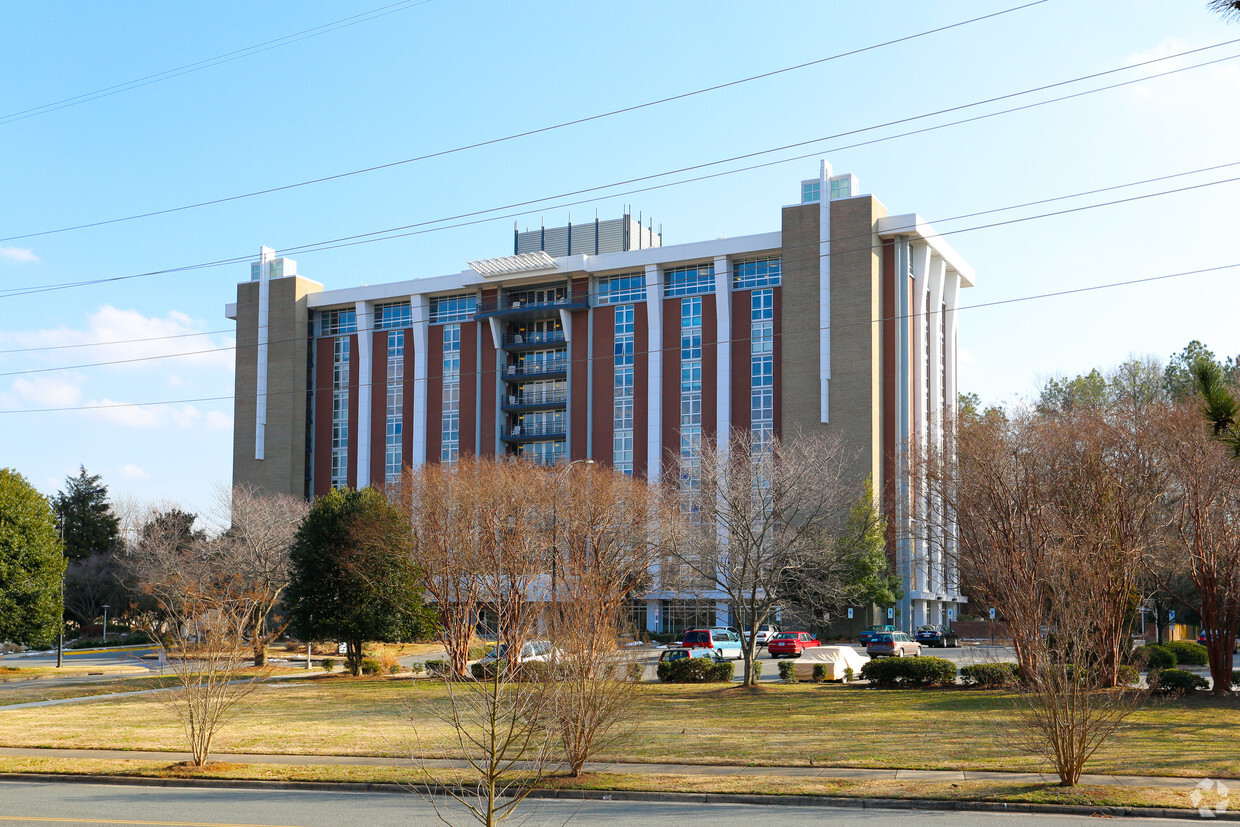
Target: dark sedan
941, 636
871, 632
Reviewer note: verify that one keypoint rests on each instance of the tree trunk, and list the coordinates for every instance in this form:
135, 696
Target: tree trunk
1219, 647
258, 637
353, 657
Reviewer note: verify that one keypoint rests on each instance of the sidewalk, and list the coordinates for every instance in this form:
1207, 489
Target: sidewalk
625, 768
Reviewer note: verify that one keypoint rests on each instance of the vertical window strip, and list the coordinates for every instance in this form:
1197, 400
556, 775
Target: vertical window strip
450, 443
690, 390
762, 368
340, 413
394, 426
622, 441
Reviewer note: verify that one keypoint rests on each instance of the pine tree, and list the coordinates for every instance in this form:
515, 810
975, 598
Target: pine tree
85, 517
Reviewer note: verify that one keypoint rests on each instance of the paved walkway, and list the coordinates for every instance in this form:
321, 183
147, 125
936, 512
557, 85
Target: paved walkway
628, 768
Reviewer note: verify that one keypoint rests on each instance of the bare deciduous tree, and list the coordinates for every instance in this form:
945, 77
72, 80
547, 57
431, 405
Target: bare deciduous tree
756, 515
261, 528
205, 610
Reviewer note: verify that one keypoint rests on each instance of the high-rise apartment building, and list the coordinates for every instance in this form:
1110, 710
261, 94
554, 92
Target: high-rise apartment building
598, 342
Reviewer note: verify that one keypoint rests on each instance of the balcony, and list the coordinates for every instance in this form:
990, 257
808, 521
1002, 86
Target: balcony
533, 340
534, 401
534, 433
518, 310
541, 369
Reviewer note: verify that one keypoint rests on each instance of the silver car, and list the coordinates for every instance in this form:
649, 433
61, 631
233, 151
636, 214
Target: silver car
892, 645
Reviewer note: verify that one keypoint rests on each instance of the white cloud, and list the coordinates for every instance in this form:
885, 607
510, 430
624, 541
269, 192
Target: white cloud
133, 472
184, 417
21, 254
48, 391
220, 421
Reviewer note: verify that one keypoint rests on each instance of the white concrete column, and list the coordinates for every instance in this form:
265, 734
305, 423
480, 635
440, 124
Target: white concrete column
365, 312
652, 615
654, 372
935, 414
951, 298
723, 354
824, 292
918, 365
420, 307
266, 256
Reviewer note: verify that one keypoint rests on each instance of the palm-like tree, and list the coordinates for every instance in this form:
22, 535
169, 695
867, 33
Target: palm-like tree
1220, 406
1226, 8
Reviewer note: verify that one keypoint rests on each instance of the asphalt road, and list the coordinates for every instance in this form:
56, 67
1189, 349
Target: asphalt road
60, 803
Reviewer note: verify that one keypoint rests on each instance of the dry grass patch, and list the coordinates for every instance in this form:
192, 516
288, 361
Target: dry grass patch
784, 725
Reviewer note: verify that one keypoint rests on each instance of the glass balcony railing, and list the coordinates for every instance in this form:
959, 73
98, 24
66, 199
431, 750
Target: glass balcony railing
535, 399
537, 367
541, 430
535, 337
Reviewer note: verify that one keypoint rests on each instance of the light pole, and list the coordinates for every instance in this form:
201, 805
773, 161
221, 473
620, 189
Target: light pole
555, 507
105, 622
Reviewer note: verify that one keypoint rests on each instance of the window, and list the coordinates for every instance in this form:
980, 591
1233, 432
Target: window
393, 458
689, 280
622, 413
761, 367
335, 322
460, 307
450, 434
811, 192
757, 272
393, 315
841, 187
631, 287
340, 412
690, 390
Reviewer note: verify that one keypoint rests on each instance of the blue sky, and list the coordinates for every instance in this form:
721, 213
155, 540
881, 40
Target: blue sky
430, 76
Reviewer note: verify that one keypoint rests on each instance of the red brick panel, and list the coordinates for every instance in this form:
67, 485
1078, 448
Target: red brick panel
378, 407
434, 393
710, 367
604, 371
671, 383
579, 402
354, 424
469, 385
641, 389
742, 381
322, 416
486, 380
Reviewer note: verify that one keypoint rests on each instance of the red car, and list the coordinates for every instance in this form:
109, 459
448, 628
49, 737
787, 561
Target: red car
791, 644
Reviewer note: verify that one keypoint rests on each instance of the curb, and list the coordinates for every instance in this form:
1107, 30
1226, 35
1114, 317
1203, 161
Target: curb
628, 795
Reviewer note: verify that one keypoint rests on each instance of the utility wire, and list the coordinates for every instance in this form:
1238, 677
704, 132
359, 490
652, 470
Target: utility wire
1037, 202
868, 236
867, 322
227, 57
527, 133
406, 230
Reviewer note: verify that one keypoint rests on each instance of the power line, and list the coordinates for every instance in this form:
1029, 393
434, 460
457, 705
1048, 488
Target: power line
207, 63
525, 134
422, 228
867, 236
867, 322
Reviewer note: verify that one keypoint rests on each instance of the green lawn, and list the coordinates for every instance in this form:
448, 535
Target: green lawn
775, 725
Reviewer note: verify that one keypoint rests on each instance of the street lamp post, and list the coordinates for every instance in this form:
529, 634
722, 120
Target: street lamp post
105, 622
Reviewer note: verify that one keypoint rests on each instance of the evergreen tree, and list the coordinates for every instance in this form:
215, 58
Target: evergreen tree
352, 575
31, 564
85, 517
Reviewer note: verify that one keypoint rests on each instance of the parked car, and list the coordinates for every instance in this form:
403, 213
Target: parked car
533, 651
1204, 639
892, 645
765, 632
725, 642
668, 655
870, 631
942, 636
791, 644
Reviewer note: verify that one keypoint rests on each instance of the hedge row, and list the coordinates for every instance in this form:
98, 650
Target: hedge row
890, 673
695, 670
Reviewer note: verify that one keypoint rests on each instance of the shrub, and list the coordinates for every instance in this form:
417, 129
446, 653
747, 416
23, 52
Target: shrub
1155, 656
329, 664
849, 674
1176, 681
483, 670
1189, 653
723, 672
695, 670
899, 672
1235, 678
370, 666
636, 671
438, 668
756, 666
787, 671
394, 668
1127, 675
820, 672
989, 675
132, 639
